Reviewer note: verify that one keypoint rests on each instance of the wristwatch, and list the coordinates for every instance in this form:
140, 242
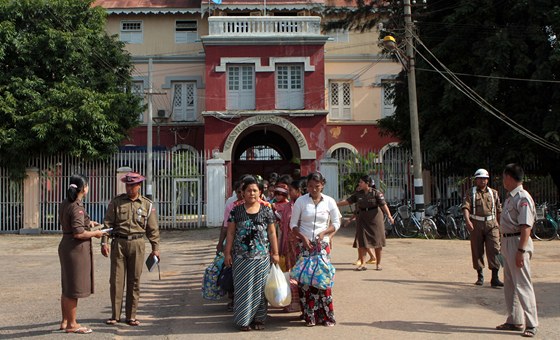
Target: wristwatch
521, 250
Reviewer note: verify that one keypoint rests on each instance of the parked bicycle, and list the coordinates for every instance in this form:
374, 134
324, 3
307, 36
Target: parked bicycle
445, 223
546, 226
457, 227
408, 225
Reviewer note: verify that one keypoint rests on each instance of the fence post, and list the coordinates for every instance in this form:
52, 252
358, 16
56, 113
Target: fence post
216, 192
329, 169
31, 188
121, 187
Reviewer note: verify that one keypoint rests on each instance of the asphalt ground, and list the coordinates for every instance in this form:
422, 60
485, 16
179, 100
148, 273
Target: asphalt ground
425, 291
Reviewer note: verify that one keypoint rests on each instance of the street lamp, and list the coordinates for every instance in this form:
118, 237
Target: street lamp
407, 60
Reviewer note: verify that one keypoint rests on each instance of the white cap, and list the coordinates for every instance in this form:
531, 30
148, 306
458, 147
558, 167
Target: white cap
481, 173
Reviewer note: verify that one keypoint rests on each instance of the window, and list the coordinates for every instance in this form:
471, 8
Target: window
340, 100
260, 153
289, 87
339, 35
185, 31
131, 32
388, 95
241, 87
184, 101
137, 88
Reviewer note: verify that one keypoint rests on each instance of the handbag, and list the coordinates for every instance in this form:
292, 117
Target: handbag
225, 281
210, 288
315, 270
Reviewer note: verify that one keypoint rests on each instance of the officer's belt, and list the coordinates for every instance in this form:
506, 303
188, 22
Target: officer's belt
128, 237
367, 209
511, 234
482, 218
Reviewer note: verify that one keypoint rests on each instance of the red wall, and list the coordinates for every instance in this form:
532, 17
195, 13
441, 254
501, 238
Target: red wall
265, 87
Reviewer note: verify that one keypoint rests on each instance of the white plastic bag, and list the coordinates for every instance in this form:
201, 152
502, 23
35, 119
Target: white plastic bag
277, 288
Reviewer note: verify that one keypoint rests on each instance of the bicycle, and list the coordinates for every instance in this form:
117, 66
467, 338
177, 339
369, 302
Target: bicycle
445, 223
546, 226
407, 225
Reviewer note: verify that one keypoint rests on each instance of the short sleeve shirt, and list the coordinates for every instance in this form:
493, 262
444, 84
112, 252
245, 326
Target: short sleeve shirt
519, 209
482, 202
370, 199
251, 232
73, 217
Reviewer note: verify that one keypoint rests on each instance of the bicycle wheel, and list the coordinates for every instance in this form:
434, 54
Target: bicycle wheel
451, 227
429, 228
462, 231
544, 230
406, 228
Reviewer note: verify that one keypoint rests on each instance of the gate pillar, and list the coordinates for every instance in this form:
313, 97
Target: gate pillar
215, 192
329, 169
31, 186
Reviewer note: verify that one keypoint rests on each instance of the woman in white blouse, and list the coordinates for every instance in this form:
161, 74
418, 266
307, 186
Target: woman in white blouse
314, 217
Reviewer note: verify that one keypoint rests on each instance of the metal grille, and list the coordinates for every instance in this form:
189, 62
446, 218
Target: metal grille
11, 203
178, 192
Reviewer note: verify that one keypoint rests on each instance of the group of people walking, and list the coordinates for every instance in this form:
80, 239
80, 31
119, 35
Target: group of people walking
294, 222
129, 218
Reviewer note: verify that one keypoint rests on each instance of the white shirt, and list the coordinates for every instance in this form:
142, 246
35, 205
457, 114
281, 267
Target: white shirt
313, 219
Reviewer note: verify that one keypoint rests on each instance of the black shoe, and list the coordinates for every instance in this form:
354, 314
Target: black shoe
496, 283
480, 281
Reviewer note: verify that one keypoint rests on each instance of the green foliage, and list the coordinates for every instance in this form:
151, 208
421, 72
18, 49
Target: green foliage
62, 81
356, 166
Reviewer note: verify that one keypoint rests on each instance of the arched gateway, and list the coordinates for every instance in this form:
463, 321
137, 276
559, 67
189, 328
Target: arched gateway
285, 142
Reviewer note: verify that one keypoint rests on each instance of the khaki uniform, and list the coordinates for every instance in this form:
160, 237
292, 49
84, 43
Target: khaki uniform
131, 221
486, 233
519, 210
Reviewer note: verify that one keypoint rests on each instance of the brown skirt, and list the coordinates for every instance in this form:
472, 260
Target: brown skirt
370, 229
76, 267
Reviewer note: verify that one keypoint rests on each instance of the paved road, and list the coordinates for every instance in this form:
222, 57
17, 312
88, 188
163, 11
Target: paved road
425, 291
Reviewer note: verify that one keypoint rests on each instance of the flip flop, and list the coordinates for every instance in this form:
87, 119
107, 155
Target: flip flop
509, 327
529, 332
133, 322
360, 269
112, 322
81, 330
379, 268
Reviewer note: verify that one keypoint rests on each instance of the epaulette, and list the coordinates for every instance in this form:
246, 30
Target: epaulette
147, 199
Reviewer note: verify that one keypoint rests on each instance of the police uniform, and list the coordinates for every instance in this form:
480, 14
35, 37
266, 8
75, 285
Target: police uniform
519, 210
370, 229
486, 233
131, 220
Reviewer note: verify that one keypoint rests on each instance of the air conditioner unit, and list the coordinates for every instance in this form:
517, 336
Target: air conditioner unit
161, 113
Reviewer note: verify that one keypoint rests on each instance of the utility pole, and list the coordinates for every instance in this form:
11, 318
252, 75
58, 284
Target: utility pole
149, 156
412, 102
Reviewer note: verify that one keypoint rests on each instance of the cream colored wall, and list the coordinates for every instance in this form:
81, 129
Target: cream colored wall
159, 74
359, 43
366, 99
159, 34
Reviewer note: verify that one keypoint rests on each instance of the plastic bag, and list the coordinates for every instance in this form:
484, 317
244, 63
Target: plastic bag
277, 288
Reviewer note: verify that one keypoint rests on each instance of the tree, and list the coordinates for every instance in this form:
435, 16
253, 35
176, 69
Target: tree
63, 82
508, 52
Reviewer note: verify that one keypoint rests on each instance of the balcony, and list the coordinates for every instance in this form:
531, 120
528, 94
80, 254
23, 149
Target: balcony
267, 29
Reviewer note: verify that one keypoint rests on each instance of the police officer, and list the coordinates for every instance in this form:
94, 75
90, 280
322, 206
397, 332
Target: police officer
132, 216
481, 210
517, 248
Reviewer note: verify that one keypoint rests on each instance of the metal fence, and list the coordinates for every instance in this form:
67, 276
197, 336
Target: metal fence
178, 188
393, 172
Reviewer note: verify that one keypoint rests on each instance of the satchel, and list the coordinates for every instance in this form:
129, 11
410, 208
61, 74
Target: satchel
210, 288
315, 270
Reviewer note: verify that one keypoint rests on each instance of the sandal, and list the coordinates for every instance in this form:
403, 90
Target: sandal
112, 322
361, 268
80, 330
133, 322
245, 328
509, 327
529, 332
328, 324
258, 325
310, 323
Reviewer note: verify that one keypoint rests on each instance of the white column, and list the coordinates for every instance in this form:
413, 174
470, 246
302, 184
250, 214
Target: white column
329, 168
215, 192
